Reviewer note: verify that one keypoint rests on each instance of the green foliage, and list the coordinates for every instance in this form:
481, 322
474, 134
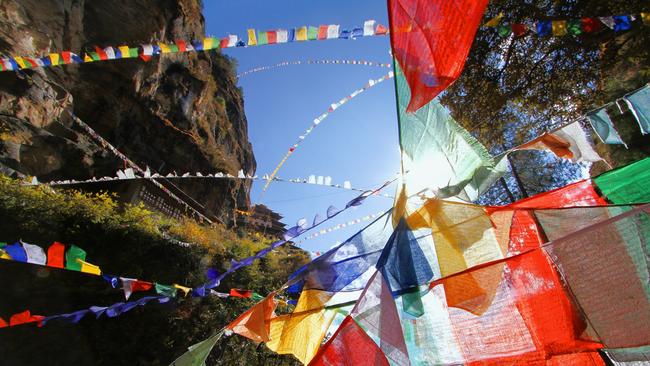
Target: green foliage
128, 241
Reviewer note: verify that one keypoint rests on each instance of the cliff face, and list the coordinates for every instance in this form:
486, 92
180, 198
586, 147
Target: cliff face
177, 112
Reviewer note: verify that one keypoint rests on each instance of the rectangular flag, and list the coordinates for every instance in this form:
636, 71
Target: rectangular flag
272, 37
54, 58
164, 48
110, 53
232, 40
147, 49
71, 257
21, 63
262, 38
181, 45
283, 36
252, 37
124, 51
89, 268
208, 43
322, 32
223, 43
604, 127
312, 33
569, 142
369, 28
301, 34
332, 31
55, 255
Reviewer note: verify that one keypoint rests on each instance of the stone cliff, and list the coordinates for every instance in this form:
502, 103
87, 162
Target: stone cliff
177, 112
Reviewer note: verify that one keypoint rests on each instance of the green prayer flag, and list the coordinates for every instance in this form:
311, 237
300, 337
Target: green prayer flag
257, 297
312, 33
197, 353
173, 48
71, 256
133, 52
574, 26
440, 156
504, 30
2, 244
94, 56
628, 184
262, 38
165, 290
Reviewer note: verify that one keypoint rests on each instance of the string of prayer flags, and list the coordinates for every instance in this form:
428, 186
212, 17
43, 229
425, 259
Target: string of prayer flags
146, 51
563, 27
334, 106
431, 41
313, 62
56, 254
569, 142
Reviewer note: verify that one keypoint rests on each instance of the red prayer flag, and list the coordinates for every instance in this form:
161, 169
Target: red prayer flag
138, 285
519, 29
272, 37
350, 345
66, 57
102, 54
182, 46
322, 32
381, 30
223, 43
431, 40
56, 255
255, 323
241, 293
590, 25
24, 317
3, 323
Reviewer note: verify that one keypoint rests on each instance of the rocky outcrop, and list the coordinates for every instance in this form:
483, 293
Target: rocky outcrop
177, 112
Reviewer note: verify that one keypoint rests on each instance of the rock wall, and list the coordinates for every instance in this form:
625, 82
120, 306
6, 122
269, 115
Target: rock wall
179, 112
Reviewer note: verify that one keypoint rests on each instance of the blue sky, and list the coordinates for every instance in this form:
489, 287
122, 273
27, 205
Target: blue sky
358, 142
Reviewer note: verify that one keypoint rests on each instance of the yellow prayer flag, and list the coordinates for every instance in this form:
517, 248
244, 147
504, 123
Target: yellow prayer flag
299, 334
252, 37
301, 34
165, 48
89, 268
87, 58
208, 43
4, 255
124, 50
20, 62
559, 27
494, 21
646, 18
186, 290
54, 59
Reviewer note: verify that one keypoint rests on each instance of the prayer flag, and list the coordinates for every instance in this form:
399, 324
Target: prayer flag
110, 53
198, 45
504, 30
569, 142
186, 290
169, 291
55, 255
43, 61
322, 32
208, 43
628, 184
645, 17
71, 257
3, 323
89, 268
604, 127
102, 55
255, 323
125, 51
381, 30
16, 252
369, 28
252, 37
519, 29
291, 35
608, 21
590, 25
332, 31
312, 33
223, 43
181, 45
283, 36
494, 21
147, 50
262, 38
558, 27
164, 48
232, 40
544, 28
622, 23
432, 43
301, 34
574, 27
357, 32
198, 353
21, 63
35, 254
23, 318
54, 58
639, 104
240, 293
272, 37
133, 52
345, 34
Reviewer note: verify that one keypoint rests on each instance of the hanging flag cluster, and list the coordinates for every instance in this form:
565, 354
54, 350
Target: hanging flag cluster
73, 258
313, 62
146, 51
334, 106
638, 102
486, 286
574, 27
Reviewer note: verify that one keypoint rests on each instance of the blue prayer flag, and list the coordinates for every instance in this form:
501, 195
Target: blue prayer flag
544, 27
